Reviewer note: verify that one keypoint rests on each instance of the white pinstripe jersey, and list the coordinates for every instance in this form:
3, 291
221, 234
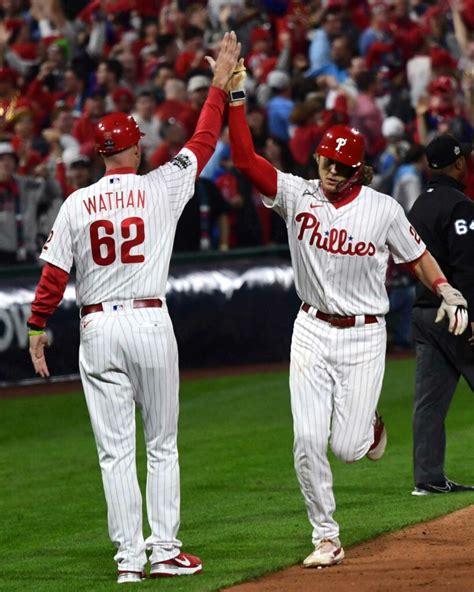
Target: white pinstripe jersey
120, 232
340, 254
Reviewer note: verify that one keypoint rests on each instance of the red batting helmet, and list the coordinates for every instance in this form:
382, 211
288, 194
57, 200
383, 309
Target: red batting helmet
343, 144
116, 132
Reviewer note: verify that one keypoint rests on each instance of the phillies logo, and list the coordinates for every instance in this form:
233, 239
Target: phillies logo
334, 241
340, 143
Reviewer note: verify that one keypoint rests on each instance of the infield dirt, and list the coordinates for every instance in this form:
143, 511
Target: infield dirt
435, 556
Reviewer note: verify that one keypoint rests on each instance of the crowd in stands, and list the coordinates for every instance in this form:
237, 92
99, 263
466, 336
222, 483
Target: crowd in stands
401, 71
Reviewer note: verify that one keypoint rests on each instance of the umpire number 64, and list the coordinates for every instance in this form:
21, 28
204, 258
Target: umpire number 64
462, 226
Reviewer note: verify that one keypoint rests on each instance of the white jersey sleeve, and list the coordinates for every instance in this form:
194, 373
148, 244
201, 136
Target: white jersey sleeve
289, 187
179, 177
403, 240
57, 249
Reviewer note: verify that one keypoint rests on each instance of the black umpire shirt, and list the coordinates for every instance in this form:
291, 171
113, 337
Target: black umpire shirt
443, 216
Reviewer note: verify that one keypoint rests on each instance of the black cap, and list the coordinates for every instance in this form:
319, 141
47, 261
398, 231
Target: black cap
444, 150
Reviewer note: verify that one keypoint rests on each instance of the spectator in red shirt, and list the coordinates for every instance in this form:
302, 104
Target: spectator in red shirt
74, 172
192, 56
71, 94
84, 128
405, 31
261, 50
198, 88
123, 99
174, 138
175, 100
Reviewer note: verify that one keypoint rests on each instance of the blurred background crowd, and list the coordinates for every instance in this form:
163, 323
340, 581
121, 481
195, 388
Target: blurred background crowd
401, 71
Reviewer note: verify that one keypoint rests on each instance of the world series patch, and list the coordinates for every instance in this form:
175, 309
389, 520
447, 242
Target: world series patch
182, 161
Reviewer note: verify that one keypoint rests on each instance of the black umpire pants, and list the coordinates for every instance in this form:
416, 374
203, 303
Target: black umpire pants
441, 358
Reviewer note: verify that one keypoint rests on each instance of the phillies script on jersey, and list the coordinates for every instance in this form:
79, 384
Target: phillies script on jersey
340, 250
333, 240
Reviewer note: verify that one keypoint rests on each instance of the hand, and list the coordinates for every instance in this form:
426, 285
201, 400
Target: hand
37, 345
422, 106
45, 70
456, 5
285, 39
455, 306
239, 75
226, 62
471, 339
51, 135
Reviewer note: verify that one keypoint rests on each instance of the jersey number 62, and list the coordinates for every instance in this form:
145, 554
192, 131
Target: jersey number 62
103, 245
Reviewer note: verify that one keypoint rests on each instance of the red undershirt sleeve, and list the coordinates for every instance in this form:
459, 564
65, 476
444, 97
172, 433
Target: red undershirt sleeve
48, 295
262, 174
412, 264
203, 141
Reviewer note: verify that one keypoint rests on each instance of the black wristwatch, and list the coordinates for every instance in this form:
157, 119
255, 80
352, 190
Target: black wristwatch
237, 95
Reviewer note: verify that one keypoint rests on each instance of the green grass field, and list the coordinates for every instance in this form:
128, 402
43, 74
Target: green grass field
242, 512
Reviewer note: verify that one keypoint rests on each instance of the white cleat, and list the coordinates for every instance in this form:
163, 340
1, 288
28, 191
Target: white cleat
130, 577
326, 553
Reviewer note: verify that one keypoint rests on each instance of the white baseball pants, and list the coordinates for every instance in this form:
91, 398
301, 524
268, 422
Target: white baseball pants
335, 382
128, 357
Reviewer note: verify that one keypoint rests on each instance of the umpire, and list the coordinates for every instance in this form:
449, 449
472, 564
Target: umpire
444, 218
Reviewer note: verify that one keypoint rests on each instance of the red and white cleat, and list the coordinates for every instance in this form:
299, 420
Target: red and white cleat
328, 552
181, 565
376, 451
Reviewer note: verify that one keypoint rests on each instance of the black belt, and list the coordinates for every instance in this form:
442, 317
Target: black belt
338, 320
141, 303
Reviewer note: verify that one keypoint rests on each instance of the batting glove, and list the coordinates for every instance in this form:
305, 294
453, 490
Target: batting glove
236, 84
455, 306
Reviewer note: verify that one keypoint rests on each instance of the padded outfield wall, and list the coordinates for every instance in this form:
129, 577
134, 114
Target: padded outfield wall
226, 310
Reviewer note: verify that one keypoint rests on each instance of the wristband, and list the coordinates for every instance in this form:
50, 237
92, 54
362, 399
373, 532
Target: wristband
34, 332
237, 95
438, 282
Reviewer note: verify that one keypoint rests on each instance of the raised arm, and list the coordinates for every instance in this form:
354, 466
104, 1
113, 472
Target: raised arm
203, 141
262, 174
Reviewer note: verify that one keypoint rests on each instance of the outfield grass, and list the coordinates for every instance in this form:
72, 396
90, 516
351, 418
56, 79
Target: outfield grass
242, 512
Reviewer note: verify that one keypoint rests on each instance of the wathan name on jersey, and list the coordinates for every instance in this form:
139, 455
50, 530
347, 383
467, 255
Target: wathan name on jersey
114, 200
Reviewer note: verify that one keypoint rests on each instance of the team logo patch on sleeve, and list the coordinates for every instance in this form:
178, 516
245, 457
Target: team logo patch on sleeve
182, 161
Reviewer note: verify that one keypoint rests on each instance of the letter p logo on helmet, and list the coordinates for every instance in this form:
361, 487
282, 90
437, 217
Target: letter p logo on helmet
340, 142
344, 144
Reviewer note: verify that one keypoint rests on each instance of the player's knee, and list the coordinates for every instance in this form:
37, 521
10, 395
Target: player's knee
347, 452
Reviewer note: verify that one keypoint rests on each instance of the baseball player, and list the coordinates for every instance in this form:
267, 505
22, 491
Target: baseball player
119, 234
340, 235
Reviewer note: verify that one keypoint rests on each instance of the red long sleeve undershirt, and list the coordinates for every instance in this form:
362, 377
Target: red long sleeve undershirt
203, 141
262, 174
48, 295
